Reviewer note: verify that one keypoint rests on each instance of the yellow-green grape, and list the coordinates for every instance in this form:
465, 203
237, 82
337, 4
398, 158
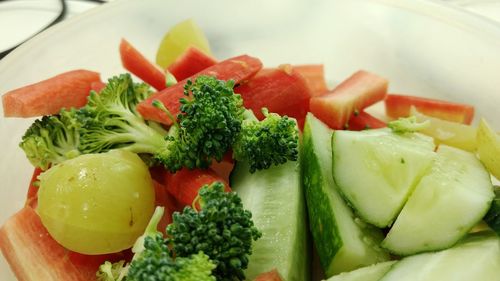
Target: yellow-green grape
97, 203
178, 39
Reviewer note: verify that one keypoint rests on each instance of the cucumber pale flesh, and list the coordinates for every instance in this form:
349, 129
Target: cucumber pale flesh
376, 170
368, 273
275, 198
449, 200
343, 241
476, 258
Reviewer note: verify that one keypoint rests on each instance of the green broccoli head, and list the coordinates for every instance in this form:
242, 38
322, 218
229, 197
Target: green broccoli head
272, 141
209, 122
153, 260
52, 139
110, 121
156, 264
222, 229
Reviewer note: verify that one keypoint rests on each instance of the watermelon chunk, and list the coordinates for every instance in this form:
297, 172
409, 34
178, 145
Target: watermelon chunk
400, 105
281, 90
136, 63
66, 90
360, 90
192, 61
238, 69
33, 255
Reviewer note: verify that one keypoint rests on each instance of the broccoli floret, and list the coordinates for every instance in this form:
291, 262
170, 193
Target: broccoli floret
52, 139
272, 141
209, 122
222, 229
153, 261
110, 121
407, 125
156, 264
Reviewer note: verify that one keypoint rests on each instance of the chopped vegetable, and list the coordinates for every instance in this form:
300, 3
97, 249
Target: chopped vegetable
110, 121
488, 148
376, 170
446, 132
34, 255
97, 86
475, 258
185, 184
32, 194
222, 229
66, 90
343, 241
153, 261
272, 141
397, 106
192, 61
449, 200
137, 64
180, 37
360, 90
364, 121
272, 275
52, 139
407, 125
275, 198
282, 90
237, 69
368, 273
315, 77
492, 218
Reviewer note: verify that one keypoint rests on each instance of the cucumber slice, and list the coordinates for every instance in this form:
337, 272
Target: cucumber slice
343, 241
449, 200
376, 170
368, 273
477, 258
275, 198
492, 218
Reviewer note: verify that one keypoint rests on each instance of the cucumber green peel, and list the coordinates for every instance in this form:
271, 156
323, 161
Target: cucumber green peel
343, 241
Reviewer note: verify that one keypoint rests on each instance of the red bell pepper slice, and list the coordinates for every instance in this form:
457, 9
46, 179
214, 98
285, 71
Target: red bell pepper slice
363, 121
272, 275
399, 106
136, 63
238, 69
315, 77
185, 184
281, 90
189, 63
360, 90
32, 196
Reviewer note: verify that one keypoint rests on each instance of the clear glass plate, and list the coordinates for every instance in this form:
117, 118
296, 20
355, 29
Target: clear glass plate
423, 47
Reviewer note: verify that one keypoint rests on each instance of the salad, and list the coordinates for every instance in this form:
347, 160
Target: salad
221, 172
